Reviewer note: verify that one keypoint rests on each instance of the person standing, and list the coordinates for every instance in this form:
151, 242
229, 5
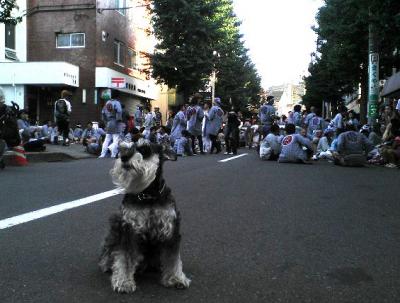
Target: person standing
338, 120
297, 117
309, 116
213, 124
314, 124
178, 124
148, 123
157, 116
62, 114
266, 115
195, 115
231, 133
112, 116
138, 117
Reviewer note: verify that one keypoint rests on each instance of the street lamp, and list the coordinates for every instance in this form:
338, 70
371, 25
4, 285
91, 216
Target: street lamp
213, 78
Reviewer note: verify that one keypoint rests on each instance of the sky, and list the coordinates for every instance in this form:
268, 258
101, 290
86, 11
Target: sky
279, 37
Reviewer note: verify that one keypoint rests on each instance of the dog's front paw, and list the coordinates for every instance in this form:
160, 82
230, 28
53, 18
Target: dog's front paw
123, 286
180, 282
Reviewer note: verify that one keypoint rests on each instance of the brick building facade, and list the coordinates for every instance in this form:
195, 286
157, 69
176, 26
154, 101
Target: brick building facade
104, 40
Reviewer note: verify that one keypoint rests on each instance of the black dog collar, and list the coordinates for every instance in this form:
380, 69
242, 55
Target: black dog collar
142, 196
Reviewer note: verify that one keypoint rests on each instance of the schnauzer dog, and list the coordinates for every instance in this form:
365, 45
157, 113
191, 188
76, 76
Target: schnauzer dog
145, 233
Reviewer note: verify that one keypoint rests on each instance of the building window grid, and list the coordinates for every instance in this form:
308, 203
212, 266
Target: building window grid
132, 59
119, 53
71, 40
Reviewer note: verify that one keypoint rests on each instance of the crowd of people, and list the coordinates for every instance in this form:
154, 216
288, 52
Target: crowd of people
201, 127
194, 129
305, 136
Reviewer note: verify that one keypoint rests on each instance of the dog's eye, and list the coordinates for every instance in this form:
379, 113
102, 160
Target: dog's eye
145, 150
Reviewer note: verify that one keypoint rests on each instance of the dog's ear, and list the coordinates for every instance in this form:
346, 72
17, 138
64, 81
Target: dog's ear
126, 150
168, 153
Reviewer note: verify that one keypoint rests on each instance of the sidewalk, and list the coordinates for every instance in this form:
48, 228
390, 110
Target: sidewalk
56, 153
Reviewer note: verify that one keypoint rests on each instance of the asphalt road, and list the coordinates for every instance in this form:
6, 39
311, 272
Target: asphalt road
252, 232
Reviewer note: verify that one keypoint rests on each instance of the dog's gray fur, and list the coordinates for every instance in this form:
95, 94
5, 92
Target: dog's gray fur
146, 231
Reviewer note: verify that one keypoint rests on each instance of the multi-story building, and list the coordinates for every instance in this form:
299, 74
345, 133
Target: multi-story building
13, 49
290, 96
85, 46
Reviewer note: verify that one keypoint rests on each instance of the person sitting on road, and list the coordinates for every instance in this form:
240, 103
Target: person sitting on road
183, 145
324, 145
352, 148
295, 147
391, 154
374, 135
153, 134
78, 133
270, 147
28, 134
163, 137
92, 139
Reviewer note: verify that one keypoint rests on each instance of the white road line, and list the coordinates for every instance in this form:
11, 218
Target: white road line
44, 212
233, 158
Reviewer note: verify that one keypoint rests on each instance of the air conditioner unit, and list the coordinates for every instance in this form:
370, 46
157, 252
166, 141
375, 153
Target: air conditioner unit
11, 54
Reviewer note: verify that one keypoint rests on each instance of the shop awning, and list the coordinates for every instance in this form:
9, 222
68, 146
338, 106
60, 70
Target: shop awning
107, 77
392, 86
39, 73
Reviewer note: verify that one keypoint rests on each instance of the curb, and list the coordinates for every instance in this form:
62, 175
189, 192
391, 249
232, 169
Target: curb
48, 157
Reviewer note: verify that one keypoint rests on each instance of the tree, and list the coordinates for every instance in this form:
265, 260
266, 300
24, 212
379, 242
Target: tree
194, 38
342, 47
185, 34
238, 84
6, 8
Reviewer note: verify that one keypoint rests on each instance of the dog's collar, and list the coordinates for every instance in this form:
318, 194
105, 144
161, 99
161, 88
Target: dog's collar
142, 196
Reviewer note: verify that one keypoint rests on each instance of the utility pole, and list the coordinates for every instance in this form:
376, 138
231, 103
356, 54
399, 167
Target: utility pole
373, 75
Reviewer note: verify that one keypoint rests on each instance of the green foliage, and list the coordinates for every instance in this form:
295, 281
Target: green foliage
194, 38
185, 35
6, 7
341, 62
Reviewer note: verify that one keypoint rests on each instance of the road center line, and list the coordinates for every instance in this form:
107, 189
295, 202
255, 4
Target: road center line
233, 158
44, 212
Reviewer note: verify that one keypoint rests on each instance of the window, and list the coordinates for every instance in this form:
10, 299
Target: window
132, 60
10, 36
9, 44
70, 40
120, 4
119, 53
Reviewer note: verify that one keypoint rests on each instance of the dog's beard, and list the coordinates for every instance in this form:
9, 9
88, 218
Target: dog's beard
135, 175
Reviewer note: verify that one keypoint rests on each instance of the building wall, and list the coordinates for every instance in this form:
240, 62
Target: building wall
65, 16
